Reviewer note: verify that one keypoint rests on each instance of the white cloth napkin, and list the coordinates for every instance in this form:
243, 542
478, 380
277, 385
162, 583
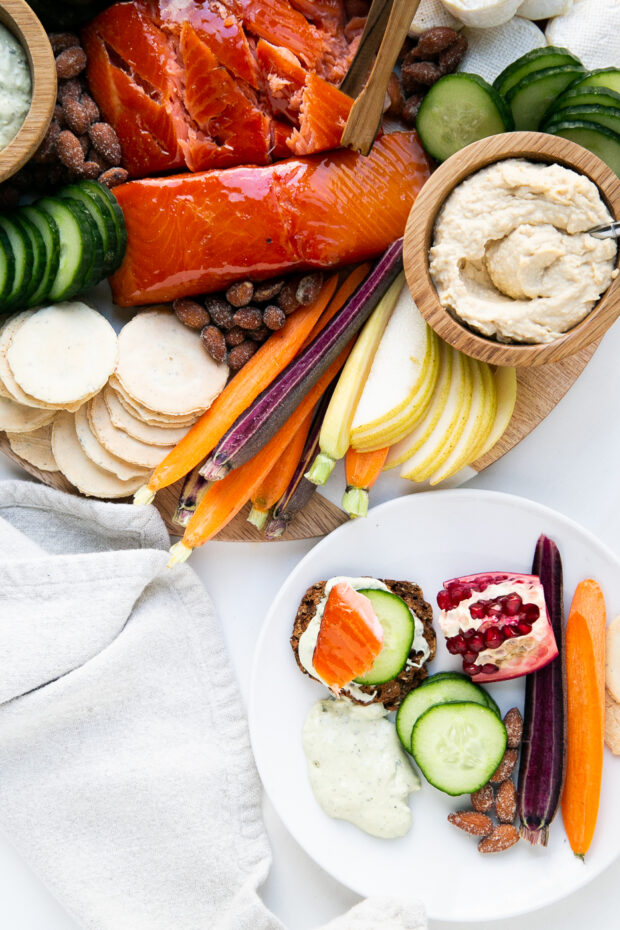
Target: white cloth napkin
126, 776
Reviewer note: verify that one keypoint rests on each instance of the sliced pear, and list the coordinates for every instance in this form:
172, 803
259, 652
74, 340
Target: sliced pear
491, 412
478, 424
404, 449
398, 369
397, 427
434, 452
506, 389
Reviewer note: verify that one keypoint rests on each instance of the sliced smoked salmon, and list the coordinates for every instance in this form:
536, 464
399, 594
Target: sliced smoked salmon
199, 84
194, 234
350, 637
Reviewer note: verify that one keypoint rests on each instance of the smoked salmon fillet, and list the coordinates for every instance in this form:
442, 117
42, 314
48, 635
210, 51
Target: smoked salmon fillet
194, 234
208, 84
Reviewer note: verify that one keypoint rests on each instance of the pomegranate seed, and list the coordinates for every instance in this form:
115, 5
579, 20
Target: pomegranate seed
456, 645
524, 628
512, 604
476, 643
470, 669
495, 610
469, 633
478, 610
458, 593
488, 668
493, 638
510, 632
444, 600
532, 612
470, 656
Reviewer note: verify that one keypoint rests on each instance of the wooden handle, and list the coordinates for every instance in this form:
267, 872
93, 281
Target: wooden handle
376, 24
366, 113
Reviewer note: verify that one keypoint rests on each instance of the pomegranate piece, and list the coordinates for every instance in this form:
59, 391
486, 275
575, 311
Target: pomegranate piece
350, 637
498, 623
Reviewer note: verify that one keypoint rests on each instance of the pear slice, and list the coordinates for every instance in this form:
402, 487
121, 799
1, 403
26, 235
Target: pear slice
506, 389
477, 427
397, 427
434, 452
491, 412
398, 369
404, 449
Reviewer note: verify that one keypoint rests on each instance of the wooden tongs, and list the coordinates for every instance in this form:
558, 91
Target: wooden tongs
386, 28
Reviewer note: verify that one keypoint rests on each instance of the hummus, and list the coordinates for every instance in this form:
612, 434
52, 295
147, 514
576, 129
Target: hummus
15, 86
510, 256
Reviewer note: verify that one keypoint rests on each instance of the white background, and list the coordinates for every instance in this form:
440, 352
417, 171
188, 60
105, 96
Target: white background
570, 463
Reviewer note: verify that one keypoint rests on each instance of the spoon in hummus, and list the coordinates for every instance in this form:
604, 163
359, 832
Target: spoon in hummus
607, 231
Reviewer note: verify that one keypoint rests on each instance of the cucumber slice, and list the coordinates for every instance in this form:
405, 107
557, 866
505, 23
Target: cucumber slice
576, 97
7, 270
438, 692
398, 629
51, 242
530, 99
103, 220
106, 199
77, 235
549, 56
601, 116
22, 254
457, 110
603, 77
458, 746
38, 254
602, 141
95, 272
460, 676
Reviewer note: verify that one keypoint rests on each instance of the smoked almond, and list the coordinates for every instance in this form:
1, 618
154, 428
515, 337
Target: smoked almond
503, 837
472, 822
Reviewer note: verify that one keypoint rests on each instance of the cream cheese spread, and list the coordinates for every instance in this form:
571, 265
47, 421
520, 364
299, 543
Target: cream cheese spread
510, 256
15, 86
307, 640
357, 768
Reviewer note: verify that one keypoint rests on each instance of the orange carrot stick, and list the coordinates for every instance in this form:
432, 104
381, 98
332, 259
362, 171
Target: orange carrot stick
585, 680
362, 470
276, 481
225, 498
265, 365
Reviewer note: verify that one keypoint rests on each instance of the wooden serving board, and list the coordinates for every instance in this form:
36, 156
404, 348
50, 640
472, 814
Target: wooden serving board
539, 390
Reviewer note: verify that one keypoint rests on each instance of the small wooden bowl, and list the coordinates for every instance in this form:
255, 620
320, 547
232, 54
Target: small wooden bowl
21, 20
534, 146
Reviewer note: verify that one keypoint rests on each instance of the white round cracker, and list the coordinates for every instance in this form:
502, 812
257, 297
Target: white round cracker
163, 364
612, 659
119, 443
11, 387
143, 413
63, 353
16, 418
35, 447
138, 429
78, 468
99, 454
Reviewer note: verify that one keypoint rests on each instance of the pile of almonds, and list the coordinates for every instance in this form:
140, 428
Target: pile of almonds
235, 323
436, 52
499, 796
78, 143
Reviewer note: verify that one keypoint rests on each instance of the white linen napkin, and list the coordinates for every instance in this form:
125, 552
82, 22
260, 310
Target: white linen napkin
126, 776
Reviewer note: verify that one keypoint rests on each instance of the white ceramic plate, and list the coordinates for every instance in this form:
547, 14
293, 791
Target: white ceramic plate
427, 538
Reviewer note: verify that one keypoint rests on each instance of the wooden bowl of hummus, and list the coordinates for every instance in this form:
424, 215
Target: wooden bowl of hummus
28, 81
496, 254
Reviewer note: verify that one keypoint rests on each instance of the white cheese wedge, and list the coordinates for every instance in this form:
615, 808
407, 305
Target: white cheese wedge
543, 9
489, 51
432, 13
482, 14
591, 30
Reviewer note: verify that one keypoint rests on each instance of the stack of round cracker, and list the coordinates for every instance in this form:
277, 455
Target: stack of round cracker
103, 410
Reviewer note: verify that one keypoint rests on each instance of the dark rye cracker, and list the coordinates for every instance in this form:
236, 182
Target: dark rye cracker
392, 693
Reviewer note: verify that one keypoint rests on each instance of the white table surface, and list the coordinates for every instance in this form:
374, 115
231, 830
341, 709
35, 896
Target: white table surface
570, 463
